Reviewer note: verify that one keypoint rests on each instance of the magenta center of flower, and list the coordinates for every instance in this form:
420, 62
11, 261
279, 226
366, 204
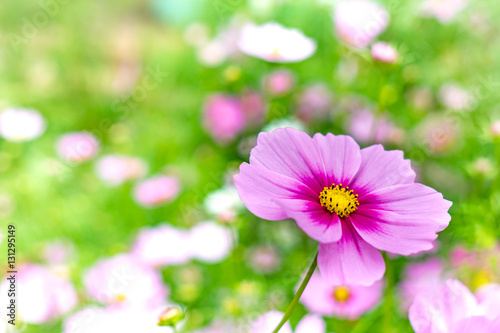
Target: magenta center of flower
339, 200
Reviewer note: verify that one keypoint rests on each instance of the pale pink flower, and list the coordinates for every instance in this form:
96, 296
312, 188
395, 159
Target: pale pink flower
264, 259
59, 251
345, 301
314, 103
454, 309
495, 129
279, 82
365, 127
224, 203
157, 190
439, 134
162, 245
19, 125
253, 106
116, 169
443, 10
210, 242
275, 43
42, 296
420, 278
456, 98
123, 280
77, 146
384, 52
359, 22
223, 117
267, 322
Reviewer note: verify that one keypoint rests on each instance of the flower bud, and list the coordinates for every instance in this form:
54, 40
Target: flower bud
170, 317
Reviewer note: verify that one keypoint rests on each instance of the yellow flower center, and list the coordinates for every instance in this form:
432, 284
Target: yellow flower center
341, 294
339, 200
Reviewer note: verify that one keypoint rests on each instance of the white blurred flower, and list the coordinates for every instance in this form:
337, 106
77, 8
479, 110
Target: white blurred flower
455, 97
196, 34
19, 125
224, 203
270, 320
210, 242
275, 43
359, 22
384, 52
43, 296
284, 122
443, 10
117, 169
162, 245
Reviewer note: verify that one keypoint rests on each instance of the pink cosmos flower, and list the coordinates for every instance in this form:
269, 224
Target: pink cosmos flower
121, 280
117, 169
77, 146
43, 296
350, 302
384, 52
366, 128
440, 134
264, 259
19, 125
223, 117
279, 82
454, 309
267, 322
358, 22
93, 319
455, 97
353, 201
253, 107
275, 43
420, 278
157, 190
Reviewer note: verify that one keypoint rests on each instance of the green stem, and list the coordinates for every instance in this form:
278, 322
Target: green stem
298, 294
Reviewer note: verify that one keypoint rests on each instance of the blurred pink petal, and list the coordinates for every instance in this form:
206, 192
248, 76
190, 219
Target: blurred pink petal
77, 146
156, 191
116, 169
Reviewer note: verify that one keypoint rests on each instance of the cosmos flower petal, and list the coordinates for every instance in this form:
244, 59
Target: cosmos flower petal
351, 260
260, 188
411, 200
489, 299
317, 223
341, 155
311, 323
451, 304
477, 324
396, 233
291, 153
380, 168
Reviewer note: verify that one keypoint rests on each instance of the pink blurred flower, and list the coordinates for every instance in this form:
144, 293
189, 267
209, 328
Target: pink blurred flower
223, 117
77, 146
43, 296
495, 129
456, 98
116, 169
93, 319
420, 278
384, 52
123, 280
162, 245
314, 103
210, 242
454, 309
439, 134
358, 22
58, 251
156, 191
345, 301
267, 322
365, 127
279, 82
443, 10
275, 43
264, 259
353, 201
19, 125
253, 107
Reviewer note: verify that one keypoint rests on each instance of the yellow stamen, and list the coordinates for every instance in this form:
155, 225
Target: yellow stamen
341, 294
339, 200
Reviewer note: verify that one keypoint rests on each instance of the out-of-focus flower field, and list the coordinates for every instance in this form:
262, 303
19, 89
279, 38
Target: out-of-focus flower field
122, 124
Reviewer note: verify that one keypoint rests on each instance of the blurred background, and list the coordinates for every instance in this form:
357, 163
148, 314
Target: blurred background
122, 123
